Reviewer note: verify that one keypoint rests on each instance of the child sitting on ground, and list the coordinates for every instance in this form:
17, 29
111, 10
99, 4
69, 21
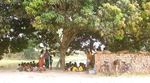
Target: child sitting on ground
34, 67
66, 66
81, 67
24, 66
75, 68
84, 67
28, 67
69, 66
19, 67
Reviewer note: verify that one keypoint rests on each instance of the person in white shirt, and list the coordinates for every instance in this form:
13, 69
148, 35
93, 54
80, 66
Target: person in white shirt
102, 47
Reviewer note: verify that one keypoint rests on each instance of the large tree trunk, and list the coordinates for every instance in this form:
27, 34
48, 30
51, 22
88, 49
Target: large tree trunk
62, 58
68, 36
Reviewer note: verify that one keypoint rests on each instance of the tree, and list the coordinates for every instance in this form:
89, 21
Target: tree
84, 41
15, 28
123, 25
70, 15
16, 31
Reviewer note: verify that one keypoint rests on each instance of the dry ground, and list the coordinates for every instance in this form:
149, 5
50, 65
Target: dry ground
12, 76
9, 74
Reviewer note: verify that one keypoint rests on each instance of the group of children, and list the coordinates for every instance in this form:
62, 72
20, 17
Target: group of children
73, 67
45, 62
28, 66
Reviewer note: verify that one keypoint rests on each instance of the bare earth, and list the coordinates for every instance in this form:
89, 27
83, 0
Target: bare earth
56, 76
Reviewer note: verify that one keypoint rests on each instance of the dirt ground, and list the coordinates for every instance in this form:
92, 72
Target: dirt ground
9, 74
57, 76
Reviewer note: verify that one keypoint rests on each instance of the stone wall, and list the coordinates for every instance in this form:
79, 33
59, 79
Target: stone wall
140, 62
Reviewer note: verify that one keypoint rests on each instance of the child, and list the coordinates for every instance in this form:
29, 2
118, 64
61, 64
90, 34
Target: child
35, 67
105, 68
117, 65
70, 65
28, 67
81, 67
75, 68
24, 66
124, 67
84, 67
31, 66
19, 67
66, 66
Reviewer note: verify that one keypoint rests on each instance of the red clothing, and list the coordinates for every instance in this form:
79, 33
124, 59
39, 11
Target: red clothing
41, 62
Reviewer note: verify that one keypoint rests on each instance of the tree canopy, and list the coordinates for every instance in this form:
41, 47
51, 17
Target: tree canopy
119, 24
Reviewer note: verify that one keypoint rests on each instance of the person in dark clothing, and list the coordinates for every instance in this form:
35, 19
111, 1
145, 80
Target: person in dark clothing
47, 59
50, 61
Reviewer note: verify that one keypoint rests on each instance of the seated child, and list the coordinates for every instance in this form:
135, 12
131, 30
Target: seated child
66, 66
81, 67
35, 67
28, 67
70, 65
105, 68
31, 66
84, 67
24, 67
75, 68
19, 67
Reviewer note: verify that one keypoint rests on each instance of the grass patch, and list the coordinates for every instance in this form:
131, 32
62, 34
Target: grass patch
12, 64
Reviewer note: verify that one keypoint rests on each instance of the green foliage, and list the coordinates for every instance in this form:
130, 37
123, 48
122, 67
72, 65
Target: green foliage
111, 19
146, 12
80, 20
31, 54
123, 24
87, 10
15, 29
57, 12
60, 19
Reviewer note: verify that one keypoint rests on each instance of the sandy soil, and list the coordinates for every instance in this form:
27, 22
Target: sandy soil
55, 76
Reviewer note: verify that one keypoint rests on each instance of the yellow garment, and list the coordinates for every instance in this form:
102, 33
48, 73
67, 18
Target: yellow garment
80, 68
74, 69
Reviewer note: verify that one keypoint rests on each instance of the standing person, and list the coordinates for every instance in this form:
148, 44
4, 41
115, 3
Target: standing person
89, 59
50, 61
117, 66
41, 61
96, 45
102, 47
47, 59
